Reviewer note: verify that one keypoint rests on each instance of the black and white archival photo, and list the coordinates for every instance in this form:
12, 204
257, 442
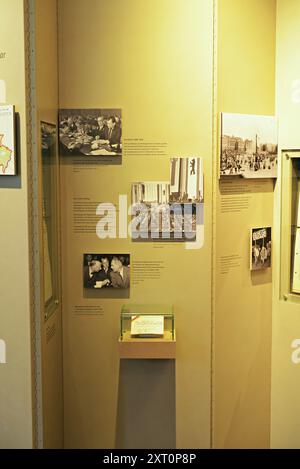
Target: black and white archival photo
106, 274
91, 132
261, 248
157, 218
249, 146
186, 180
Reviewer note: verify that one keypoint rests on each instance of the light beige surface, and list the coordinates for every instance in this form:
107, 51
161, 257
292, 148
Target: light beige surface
286, 315
47, 105
246, 79
150, 348
153, 60
15, 376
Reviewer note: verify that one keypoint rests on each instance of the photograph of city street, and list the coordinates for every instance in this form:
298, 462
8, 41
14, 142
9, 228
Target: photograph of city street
248, 146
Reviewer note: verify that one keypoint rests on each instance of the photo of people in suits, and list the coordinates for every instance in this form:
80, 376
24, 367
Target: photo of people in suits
106, 273
91, 132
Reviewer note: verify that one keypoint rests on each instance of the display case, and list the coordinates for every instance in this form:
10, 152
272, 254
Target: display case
147, 331
50, 218
290, 227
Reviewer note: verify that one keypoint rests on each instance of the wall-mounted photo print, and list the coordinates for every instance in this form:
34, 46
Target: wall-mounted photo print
249, 146
7, 141
156, 218
91, 132
260, 248
186, 176
107, 274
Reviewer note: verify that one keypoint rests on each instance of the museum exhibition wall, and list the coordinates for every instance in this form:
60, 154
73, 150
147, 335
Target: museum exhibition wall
153, 103
243, 298
15, 321
148, 67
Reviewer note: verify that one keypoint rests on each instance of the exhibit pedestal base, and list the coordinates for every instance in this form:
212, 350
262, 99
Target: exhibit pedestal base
147, 348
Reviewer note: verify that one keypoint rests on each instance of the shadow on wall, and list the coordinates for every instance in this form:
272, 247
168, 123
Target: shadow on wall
146, 405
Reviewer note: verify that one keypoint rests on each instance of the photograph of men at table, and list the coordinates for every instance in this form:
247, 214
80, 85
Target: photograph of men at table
106, 271
90, 132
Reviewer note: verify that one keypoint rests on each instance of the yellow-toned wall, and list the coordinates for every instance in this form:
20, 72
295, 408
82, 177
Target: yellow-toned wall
153, 60
243, 301
15, 375
47, 106
286, 314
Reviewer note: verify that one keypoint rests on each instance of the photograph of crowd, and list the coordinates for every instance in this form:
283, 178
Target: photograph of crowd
106, 272
186, 175
156, 217
261, 248
90, 132
249, 146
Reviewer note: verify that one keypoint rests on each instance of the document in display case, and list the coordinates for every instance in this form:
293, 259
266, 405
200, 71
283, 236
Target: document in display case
147, 325
296, 229
290, 226
147, 331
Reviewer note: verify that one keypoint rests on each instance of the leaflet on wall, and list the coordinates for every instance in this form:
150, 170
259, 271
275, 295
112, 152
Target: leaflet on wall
249, 146
260, 248
7, 141
91, 133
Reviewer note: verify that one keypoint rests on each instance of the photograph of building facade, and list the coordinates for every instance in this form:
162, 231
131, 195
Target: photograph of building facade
186, 180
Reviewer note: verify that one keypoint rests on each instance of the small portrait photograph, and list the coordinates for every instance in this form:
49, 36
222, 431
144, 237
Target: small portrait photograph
249, 146
91, 132
107, 275
260, 248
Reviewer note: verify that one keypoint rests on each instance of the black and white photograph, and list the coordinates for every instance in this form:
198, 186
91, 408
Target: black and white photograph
156, 217
260, 248
249, 146
91, 132
186, 175
107, 274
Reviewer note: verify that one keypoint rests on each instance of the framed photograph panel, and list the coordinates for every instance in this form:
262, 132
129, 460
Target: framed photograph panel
7, 141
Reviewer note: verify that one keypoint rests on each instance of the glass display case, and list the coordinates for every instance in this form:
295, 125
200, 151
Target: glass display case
290, 226
49, 209
147, 331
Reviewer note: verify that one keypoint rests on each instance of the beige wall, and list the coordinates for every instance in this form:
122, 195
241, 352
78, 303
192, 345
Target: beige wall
47, 105
286, 317
15, 375
242, 339
154, 60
